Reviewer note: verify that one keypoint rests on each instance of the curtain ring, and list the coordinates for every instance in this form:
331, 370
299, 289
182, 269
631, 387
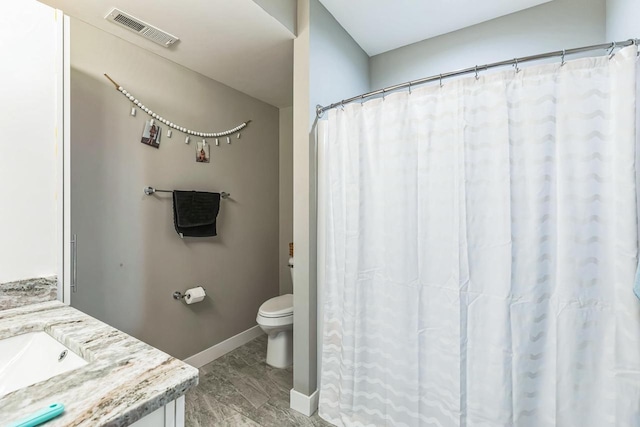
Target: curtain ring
342, 105
383, 93
477, 77
362, 100
409, 88
516, 65
613, 47
440, 80
634, 42
563, 53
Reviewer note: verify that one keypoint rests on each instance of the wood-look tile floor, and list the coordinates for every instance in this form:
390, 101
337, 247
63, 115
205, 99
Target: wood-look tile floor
240, 389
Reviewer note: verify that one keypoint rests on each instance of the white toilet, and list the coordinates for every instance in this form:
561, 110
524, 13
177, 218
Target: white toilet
275, 317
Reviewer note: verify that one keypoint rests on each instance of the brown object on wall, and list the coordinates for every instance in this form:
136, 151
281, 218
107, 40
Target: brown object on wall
291, 250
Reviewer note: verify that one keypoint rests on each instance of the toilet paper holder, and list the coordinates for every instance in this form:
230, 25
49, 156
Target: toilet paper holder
177, 295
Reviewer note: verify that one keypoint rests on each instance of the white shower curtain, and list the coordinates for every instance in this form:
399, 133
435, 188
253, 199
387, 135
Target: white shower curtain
480, 251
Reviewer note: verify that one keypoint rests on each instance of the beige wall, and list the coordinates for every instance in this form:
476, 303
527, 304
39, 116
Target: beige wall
286, 198
130, 259
282, 10
304, 310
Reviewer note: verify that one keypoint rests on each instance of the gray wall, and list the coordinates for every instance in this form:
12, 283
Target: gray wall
286, 198
623, 19
328, 65
133, 257
552, 26
339, 67
339, 70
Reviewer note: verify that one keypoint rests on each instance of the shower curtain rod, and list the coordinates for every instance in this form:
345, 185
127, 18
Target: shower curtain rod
515, 61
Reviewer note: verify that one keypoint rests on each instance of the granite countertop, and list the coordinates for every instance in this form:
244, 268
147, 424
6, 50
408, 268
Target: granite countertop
30, 291
124, 380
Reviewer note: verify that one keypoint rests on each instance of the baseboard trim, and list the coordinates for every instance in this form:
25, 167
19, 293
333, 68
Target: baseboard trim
212, 353
306, 405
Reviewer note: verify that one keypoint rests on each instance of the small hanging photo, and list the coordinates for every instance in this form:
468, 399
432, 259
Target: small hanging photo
151, 134
202, 152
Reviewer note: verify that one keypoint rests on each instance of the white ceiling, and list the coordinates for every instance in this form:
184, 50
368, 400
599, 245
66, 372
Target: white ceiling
234, 42
238, 43
382, 25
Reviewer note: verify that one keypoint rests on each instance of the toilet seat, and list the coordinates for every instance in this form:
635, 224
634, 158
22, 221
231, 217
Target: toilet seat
274, 321
277, 307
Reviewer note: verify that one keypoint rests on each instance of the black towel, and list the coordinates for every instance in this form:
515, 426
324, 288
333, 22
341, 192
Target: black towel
195, 212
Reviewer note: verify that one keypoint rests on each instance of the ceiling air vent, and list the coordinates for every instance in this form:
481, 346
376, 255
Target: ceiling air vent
147, 31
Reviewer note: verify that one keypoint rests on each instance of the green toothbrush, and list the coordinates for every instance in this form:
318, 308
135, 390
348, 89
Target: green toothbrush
41, 416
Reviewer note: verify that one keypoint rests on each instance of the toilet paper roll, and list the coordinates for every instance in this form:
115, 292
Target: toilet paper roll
194, 295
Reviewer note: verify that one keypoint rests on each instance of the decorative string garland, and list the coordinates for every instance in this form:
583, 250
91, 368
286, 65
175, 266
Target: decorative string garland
175, 126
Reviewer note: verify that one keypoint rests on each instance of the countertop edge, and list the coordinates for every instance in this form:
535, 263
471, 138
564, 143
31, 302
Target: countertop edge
136, 413
125, 380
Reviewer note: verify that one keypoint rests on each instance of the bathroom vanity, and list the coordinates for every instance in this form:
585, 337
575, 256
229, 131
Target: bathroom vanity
111, 378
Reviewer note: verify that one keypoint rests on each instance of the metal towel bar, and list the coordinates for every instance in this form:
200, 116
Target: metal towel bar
150, 190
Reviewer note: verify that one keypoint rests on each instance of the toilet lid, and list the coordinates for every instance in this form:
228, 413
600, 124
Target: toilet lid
277, 307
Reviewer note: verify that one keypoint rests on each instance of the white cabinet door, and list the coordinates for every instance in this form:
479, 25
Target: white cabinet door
171, 415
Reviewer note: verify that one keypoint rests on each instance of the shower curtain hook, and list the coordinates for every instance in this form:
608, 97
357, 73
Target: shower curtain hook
563, 53
409, 88
440, 80
477, 73
342, 105
635, 43
516, 65
613, 47
362, 100
383, 93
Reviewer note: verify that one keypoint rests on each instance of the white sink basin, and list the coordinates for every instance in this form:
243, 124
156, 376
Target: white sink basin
33, 357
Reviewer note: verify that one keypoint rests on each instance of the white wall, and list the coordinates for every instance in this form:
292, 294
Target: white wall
623, 19
560, 24
28, 215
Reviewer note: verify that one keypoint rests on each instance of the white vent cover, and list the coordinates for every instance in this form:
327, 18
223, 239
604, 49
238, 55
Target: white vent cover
147, 31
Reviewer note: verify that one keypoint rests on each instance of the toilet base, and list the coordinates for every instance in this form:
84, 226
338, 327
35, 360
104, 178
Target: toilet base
280, 349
